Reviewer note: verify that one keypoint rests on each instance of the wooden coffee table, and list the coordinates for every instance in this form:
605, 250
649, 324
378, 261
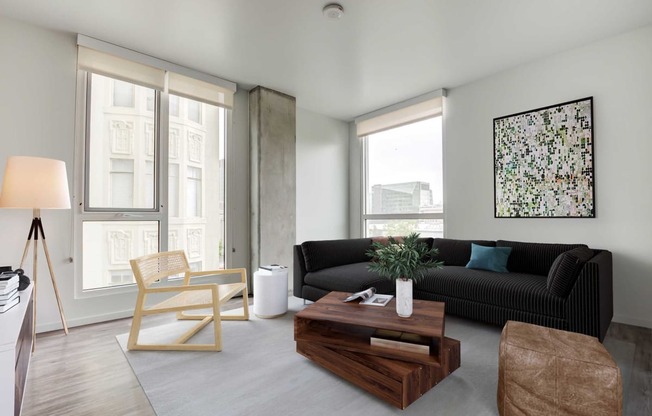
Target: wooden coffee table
336, 336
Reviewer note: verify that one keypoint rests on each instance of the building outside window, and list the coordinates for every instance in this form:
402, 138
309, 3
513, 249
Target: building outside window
194, 111
174, 106
403, 174
194, 192
123, 94
122, 183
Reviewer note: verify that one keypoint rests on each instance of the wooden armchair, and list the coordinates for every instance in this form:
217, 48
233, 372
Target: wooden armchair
151, 268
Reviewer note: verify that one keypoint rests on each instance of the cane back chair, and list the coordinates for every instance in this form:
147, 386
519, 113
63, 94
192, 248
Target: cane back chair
154, 267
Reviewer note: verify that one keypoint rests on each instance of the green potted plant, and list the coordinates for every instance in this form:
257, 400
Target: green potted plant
404, 260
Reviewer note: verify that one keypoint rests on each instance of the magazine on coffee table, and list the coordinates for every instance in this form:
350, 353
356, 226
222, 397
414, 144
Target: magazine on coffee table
370, 297
377, 300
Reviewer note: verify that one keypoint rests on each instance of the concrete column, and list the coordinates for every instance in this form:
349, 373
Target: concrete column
272, 128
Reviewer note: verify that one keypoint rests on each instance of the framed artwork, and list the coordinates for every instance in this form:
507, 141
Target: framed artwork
543, 162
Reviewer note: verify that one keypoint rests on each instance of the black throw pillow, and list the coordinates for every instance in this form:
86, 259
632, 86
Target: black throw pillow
565, 270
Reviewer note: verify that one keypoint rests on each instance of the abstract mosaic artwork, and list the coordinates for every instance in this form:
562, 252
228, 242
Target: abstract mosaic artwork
543, 162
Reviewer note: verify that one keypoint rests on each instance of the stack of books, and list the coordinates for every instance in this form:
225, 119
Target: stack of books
8, 291
274, 268
401, 341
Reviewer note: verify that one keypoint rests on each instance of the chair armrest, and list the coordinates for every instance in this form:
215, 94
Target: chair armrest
183, 288
242, 271
589, 306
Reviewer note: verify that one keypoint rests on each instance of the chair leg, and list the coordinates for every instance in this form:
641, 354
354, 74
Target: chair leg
217, 322
135, 323
245, 309
245, 303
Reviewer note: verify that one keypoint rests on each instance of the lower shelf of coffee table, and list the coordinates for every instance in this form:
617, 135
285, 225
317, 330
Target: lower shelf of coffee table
396, 381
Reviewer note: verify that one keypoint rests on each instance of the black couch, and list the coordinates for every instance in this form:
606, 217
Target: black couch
524, 294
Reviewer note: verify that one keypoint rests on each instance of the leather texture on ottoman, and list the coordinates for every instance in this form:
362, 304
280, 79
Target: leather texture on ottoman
544, 371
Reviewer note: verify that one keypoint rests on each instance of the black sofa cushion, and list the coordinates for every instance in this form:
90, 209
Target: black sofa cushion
350, 278
534, 258
457, 252
521, 291
320, 255
565, 270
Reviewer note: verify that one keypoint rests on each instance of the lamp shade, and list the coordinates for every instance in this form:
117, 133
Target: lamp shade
35, 182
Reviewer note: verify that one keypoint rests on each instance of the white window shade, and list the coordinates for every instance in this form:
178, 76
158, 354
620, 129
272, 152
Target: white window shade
117, 62
406, 112
113, 66
199, 90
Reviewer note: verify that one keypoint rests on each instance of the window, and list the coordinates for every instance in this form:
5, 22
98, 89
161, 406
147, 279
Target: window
123, 94
121, 277
193, 198
149, 100
122, 183
174, 106
143, 188
402, 178
116, 146
149, 183
173, 189
194, 111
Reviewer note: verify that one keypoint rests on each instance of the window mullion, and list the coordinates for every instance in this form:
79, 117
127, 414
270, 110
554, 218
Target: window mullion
163, 144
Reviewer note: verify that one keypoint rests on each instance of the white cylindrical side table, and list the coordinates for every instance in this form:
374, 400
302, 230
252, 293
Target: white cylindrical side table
270, 293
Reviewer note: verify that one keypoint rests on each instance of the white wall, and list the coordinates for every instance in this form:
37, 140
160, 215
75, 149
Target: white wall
37, 86
617, 72
322, 177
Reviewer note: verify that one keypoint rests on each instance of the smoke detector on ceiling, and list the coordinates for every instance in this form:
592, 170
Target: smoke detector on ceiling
333, 11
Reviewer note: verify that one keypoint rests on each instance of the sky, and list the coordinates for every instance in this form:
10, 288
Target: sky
406, 154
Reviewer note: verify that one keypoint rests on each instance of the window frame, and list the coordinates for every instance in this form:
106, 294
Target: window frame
86, 81
96, 56
159, 213
83, 212
365, 216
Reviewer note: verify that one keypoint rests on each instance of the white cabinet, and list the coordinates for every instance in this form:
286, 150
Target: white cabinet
16, 337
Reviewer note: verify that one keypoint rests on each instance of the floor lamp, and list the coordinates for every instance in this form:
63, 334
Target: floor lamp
36, 183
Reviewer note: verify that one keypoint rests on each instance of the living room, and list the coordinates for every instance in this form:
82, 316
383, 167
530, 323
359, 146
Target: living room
552, 52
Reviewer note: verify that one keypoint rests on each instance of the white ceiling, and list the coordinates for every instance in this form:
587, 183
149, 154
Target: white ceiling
379, 53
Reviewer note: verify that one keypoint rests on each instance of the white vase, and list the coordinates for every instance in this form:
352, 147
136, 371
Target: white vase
404, 298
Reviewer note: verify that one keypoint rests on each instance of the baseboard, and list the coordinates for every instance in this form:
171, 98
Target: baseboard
645, 323
86, 320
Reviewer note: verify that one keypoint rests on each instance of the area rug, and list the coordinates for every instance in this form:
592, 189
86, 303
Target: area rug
258, 372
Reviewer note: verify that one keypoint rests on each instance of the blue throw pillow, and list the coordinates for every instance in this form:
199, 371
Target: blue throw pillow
489, 258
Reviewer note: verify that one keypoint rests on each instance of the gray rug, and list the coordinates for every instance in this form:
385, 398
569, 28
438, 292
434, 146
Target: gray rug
258, 372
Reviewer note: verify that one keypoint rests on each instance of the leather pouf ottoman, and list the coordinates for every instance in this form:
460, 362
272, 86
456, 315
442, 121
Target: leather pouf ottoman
544, 371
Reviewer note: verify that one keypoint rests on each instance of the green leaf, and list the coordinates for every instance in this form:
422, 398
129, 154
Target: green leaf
406, 259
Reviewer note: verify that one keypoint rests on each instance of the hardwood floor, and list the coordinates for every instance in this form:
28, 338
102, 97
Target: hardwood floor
639, 391
86, 373
83, 373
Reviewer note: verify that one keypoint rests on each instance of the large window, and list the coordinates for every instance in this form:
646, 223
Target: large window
122, 155
153, 168
403, 186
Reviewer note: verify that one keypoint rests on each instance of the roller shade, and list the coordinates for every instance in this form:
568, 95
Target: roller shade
114, 61
199, 90
113, 66
406, 112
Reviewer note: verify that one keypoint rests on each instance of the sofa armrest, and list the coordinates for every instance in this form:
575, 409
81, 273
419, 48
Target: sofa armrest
299, 272
589, 307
